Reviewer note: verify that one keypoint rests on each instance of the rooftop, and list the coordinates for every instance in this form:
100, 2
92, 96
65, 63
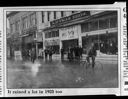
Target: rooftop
12, 13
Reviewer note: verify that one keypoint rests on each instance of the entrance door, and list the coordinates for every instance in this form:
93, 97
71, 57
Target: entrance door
69, 43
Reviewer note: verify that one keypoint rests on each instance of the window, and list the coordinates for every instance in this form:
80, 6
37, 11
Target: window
54, 14
93, 25
17, 26
74, 12
85, 27
54, 33
46, 35
48, 15
25, 23
33, 19
113, 22
11, 28
42, 17
104, 24
62, 13
57, 33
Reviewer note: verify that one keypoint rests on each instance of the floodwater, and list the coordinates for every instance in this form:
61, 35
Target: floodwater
60, 74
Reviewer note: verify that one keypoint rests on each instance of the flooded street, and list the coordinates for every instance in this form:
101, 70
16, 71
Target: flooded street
60, 74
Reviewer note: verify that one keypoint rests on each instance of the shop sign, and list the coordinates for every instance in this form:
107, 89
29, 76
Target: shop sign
69, 18
17, 55
69, 33
52, 42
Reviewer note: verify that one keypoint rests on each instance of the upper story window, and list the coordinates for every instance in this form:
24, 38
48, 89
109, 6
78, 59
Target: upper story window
93, 25
85, 27
103, 23
62, 13
11, 28
52, 34
25, 23
17, 26
33, 19
42, 16
113, 22
48, 15
74, 12
54, 14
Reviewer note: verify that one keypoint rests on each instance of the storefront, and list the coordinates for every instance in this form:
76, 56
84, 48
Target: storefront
69, 36
102, 29
28, 42
106, 43
54, 44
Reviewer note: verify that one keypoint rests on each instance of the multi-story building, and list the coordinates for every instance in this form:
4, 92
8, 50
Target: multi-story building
57, 29
23, 29
26, 28
80, 28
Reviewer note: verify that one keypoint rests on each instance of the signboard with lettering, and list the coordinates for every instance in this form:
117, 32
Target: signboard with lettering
69, 32
17, 55
69, 18
52, 42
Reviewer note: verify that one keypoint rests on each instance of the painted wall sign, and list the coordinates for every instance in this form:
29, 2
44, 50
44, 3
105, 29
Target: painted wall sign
69, 18
69, 33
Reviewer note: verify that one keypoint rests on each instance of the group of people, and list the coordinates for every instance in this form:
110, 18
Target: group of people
29, 54
75, 53
72, 53
48, 53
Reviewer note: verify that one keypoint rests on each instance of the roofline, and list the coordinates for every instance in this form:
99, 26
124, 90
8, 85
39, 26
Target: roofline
88, 18
12, 13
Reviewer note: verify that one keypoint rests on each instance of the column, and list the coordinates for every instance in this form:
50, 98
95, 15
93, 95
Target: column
43, 34
79, 35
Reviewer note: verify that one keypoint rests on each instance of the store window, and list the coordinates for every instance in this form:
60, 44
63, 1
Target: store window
103, 23
113, 22
85, 27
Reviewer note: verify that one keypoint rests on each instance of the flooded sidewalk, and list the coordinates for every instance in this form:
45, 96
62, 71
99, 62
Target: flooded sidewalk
59, 74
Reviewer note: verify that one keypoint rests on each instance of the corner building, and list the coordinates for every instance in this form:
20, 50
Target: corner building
83, 27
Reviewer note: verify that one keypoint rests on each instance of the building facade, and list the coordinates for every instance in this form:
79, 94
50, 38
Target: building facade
23, 30
83, 27
57, 29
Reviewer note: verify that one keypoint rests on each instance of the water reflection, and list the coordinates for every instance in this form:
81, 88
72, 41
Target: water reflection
34, 67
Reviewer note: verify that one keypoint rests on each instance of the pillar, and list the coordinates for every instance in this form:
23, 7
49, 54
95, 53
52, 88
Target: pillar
43, 34
60, 45
79, 35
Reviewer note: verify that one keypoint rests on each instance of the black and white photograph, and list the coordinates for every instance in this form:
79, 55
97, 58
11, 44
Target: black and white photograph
64, 48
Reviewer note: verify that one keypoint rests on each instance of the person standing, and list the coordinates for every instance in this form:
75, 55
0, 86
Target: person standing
62, 53
46, 53
50, 53
33, 55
